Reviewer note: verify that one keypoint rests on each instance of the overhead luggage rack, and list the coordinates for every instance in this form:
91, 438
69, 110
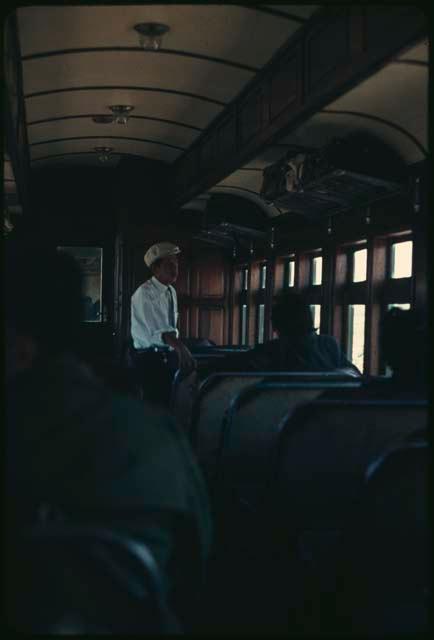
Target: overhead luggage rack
348, 173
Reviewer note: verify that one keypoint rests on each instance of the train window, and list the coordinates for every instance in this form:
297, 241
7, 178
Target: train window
316, 315
356, 334
359, 265
405, 306
90, 261
400, 259
290, 273
245, 279
316, 270
261, 318
243, 324
263, 276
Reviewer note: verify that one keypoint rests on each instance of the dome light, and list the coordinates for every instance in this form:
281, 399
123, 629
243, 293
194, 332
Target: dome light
151, 34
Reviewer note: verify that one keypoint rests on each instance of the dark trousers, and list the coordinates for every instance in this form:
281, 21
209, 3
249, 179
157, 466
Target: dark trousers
155, 370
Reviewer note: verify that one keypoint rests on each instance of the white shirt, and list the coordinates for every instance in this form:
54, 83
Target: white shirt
150, 315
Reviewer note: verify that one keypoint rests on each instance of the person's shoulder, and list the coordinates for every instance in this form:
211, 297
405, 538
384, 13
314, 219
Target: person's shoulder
327, 341
146, 288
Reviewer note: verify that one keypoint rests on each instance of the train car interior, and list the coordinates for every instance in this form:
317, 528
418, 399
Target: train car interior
283, 150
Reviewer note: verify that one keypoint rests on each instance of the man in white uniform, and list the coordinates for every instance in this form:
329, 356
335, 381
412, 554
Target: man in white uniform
154, 307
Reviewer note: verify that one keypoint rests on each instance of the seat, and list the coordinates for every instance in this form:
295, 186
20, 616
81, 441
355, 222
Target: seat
322, 455
325, 448
82, 579
252, 424
183, 395
383, 574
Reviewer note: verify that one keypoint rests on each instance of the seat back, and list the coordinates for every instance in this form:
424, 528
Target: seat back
80, 579
324, 450
183, 395
384, 562
252, 424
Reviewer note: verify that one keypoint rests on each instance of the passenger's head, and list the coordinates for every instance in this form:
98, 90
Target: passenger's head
162, 260
404, 344
291, 316
43, 304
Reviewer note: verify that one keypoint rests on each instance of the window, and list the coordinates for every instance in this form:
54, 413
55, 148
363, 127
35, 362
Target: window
290, 273
400, 259
316, 270
243, 324
405, 306
316, 315
356, 334
359, 265
90, 261
261, 316
263, 276
245, 279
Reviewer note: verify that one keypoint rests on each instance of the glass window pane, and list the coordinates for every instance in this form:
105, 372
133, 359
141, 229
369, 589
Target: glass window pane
317, 270
263, 276
405, 306
90, 261
261, 315
359, 265
400, 259
316, 315
245, 279
244, 324
291, 273
356, 334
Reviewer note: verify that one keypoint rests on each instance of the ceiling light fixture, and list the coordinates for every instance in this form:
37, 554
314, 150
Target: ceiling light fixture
103, 153
121, 112
151, 34
103, 119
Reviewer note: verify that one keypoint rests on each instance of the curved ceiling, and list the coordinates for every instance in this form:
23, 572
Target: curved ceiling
392, 104
79, 60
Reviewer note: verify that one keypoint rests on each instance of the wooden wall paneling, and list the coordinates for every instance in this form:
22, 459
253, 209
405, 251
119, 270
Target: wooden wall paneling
212, 323
279, 275
184, 320
255, 272
269, 289
303, 271
194, 321
376, 273
285, 84
328, 274
339, 282
251, 115
327, 50
393, 20
227, 137
208, 152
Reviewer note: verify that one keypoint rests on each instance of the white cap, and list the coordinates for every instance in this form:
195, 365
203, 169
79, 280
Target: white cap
160, 250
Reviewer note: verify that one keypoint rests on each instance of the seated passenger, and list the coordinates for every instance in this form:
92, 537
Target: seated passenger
79, 453
404, 347
297, 347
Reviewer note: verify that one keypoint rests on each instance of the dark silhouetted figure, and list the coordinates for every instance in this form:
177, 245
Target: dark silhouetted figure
80, 453
297, 347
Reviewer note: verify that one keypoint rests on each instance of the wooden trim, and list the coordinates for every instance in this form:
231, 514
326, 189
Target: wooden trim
131, 117
365, 46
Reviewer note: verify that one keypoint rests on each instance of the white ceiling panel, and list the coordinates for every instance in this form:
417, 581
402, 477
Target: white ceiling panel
88, 160
323, 127
144, 149
146, 103
136, 69
135, 128
251, 180
219, 31
420, 53
300, 10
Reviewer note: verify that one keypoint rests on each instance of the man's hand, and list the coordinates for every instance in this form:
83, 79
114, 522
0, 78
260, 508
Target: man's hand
186, 361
